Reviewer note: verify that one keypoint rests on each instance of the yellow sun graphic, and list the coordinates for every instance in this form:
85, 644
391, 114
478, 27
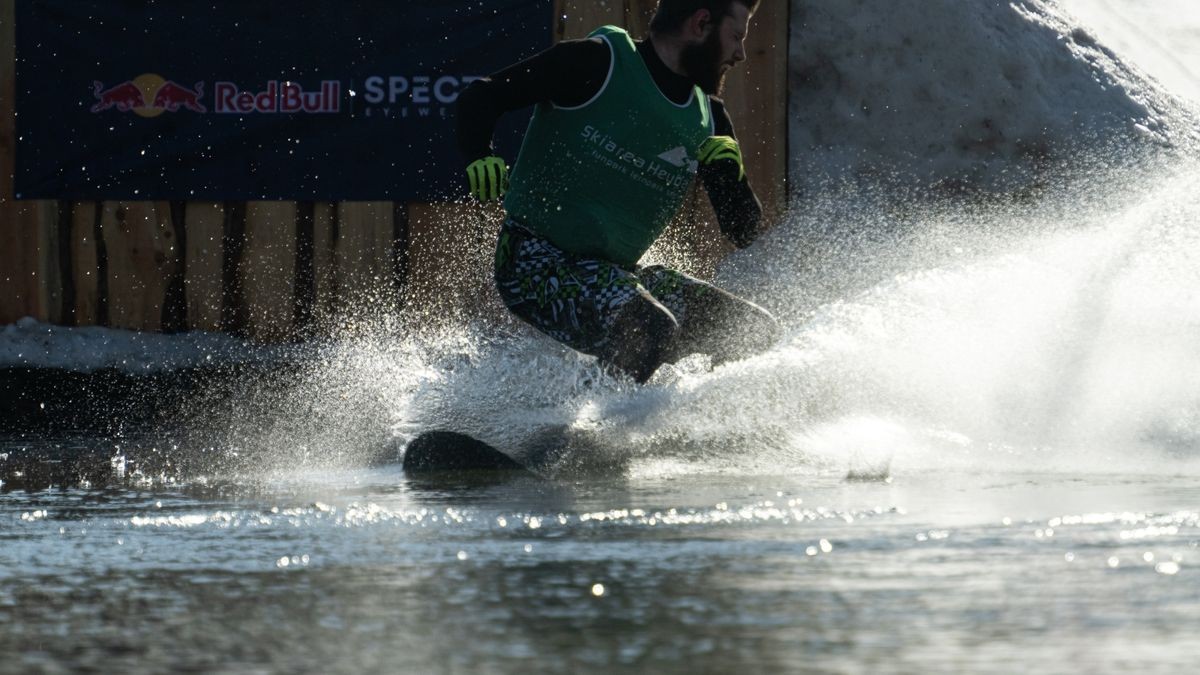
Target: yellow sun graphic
149, 84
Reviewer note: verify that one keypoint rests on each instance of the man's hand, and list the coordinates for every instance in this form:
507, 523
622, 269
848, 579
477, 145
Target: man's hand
718, 148
488, 178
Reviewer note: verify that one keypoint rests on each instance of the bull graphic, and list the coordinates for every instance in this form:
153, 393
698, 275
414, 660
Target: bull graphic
171, 96
125, 97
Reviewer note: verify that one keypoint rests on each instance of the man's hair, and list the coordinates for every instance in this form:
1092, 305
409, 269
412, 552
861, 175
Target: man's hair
671, 14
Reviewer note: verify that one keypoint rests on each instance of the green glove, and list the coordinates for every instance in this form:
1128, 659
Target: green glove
488, 178
716, 148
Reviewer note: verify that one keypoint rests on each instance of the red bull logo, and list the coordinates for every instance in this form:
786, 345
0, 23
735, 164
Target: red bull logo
171, 97
279, 97
148, 95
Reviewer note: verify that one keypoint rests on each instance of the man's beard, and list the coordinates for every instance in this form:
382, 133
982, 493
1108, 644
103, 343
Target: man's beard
702, 63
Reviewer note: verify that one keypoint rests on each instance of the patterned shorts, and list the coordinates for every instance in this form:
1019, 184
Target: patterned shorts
576, 300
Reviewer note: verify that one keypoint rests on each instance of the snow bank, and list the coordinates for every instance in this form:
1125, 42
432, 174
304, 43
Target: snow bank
1161, 37
30, 344
962, 95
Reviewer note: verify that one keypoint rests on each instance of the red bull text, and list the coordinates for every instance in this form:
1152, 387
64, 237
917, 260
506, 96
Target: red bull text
278, 97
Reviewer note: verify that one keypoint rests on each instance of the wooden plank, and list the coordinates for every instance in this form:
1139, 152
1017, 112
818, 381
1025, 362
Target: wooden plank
102, 285
268, 269
558, 25
693, 242
580, 17
637, 17
140, 241
174, 314
756, 96
202, 281
324, 260
49, 272
234, 314
364, 256
66, 264
28, 260
84, 217
450, 262
13, 273
305, 279
25, 260
401, 230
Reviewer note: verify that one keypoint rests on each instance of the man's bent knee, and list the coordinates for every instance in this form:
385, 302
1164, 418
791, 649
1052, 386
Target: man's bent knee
640, 339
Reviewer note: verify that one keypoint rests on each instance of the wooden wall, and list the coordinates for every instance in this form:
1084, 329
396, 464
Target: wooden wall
284, 270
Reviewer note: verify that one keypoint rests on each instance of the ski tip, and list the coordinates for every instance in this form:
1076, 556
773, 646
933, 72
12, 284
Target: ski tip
448, 452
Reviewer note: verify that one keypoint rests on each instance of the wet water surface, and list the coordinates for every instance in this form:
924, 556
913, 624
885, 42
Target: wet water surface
370, 571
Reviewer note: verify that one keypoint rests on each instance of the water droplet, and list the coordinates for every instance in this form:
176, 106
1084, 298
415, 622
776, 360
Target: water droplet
1167, 568
597, 590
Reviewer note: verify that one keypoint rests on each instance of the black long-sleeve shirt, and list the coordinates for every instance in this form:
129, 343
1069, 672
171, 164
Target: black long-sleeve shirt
570, 74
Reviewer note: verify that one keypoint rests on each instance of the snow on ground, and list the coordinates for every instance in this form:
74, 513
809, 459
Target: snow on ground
1162, 37
30, 344
973, 95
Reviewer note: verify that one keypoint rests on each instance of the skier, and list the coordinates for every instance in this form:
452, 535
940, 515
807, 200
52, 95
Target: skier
620, 130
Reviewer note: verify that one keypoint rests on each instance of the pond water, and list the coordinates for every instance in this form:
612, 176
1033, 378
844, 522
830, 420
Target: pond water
370, 571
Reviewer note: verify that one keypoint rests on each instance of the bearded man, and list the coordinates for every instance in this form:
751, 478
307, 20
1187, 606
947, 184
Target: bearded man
621, 129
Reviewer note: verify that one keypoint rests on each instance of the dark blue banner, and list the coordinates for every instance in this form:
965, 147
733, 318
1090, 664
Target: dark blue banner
225, 100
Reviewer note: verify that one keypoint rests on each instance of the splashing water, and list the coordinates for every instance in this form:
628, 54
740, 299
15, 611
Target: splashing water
1058, 337
1070, 345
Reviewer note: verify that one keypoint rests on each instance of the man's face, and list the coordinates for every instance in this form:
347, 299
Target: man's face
709, 60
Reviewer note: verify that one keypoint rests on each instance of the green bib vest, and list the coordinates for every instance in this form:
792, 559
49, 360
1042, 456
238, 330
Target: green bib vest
604, 179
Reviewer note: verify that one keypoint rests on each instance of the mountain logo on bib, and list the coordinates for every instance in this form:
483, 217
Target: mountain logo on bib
679, 157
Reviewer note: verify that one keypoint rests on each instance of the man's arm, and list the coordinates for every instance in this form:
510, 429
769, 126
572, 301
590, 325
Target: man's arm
568, 74
738, 210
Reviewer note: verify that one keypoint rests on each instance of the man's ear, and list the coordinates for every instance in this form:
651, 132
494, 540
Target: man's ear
699, 24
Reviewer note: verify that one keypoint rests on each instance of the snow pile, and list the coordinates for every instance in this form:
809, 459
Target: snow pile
30, 344
1161, 37
962, 95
